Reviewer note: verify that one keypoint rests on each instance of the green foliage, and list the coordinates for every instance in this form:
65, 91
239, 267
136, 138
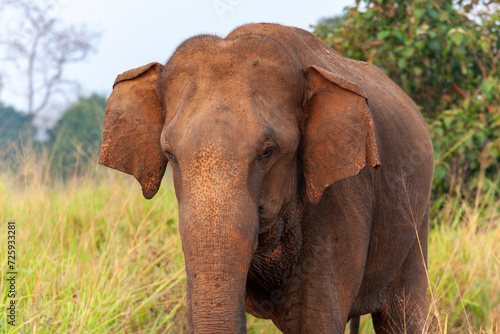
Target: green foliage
16, 130
76, 138
14, 125
446, 56
327, 24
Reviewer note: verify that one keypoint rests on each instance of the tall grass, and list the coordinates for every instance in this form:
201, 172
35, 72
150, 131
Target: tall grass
93, 256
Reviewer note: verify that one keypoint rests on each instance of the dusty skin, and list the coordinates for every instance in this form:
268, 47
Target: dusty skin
303, 180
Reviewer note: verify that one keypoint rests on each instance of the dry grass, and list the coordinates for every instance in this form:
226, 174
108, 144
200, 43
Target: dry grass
93, 256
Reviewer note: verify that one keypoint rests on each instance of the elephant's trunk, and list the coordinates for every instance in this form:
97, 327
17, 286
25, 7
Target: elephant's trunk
219, 237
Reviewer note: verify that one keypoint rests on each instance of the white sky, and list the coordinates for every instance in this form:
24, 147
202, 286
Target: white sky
135, 32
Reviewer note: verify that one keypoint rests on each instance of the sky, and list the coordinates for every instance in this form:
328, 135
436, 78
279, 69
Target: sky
134, 33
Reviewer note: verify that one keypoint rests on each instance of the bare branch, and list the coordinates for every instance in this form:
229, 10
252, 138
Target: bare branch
41, 46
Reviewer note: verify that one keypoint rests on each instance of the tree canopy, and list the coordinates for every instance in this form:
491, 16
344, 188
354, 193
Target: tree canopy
15, 131
75, 140
14, 126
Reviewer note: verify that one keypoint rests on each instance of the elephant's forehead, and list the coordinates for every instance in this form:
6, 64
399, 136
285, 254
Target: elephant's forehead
259, 93
236, 78
238, 67
239, 90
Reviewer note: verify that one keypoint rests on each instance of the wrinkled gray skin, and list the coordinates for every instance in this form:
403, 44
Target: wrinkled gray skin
303, 180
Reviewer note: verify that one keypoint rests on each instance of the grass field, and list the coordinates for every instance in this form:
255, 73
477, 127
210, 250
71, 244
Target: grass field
93, 256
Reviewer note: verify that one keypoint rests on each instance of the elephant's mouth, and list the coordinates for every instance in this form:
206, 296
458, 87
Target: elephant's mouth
261, 210
269, 239
267, 220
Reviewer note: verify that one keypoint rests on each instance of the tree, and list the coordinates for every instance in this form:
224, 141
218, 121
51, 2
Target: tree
328, 24
14, 127
76, 138
41, 46
15, 131
446, 55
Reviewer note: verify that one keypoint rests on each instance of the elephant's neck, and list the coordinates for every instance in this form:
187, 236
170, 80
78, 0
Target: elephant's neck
273, 262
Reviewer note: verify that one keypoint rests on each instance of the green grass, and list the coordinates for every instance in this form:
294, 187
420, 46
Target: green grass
93, 256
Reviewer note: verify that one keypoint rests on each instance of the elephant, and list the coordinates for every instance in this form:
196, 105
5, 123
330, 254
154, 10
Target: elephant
303, 180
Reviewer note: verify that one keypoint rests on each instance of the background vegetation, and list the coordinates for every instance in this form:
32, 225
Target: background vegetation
96, 257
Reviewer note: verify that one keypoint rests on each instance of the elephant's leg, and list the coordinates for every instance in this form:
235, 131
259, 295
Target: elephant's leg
406, 303
332, 264
312, 305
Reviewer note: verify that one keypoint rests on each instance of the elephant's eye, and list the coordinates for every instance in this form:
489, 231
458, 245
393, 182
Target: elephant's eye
170, 155
267, 153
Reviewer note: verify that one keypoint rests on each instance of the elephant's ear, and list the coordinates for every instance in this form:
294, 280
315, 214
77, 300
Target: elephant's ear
338, 137
132, 128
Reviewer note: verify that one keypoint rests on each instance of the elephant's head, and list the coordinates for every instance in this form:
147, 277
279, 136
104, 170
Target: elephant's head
239, 120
